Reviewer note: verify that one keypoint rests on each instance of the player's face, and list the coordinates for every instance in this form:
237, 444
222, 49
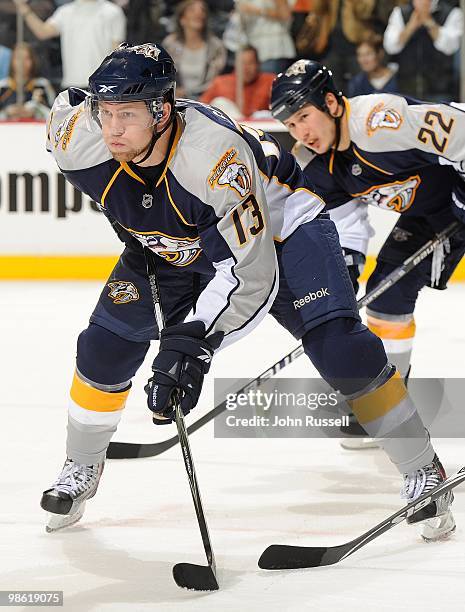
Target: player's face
127, 128
314, 128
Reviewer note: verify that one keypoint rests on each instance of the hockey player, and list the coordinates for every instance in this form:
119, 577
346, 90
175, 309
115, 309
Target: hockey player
207, 197
388, 151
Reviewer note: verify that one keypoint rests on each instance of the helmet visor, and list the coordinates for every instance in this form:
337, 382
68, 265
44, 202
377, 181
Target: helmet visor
134, 114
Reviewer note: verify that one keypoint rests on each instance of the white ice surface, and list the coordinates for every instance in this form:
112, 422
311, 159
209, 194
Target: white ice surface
256, 492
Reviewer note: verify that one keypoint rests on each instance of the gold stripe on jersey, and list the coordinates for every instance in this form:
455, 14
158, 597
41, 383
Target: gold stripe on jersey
131, 173
347, 110
178, 212
179, 130
89, 398
365, 161
391, 330
347, 106
331, 161
379, 402
312, 193
108, 187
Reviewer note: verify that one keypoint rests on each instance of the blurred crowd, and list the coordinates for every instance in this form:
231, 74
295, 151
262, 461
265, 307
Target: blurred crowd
227, 52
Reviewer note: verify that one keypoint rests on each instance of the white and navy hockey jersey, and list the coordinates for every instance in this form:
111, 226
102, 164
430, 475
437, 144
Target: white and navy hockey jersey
221, 196
402, 157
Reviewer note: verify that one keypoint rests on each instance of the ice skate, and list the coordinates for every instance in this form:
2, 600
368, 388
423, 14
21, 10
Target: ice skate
66, 499
360, 443
436, 519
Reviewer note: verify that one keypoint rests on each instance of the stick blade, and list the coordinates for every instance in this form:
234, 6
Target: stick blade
195, 577
279, 556
123, 450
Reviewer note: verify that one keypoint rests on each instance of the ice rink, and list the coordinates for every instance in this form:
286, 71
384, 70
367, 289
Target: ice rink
255, 492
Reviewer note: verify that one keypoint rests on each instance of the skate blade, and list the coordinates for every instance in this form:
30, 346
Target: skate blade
439, 528
60, 521
359, 443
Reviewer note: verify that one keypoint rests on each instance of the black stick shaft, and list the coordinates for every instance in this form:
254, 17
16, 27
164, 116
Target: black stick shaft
180, 424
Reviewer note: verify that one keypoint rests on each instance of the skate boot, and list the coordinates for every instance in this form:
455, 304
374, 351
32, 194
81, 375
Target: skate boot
66, 499
436, 519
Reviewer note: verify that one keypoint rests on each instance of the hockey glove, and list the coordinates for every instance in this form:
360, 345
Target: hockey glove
183, 360
458, 200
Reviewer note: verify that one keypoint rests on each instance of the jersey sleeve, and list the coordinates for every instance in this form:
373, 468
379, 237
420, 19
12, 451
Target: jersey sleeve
236, 236
69, 139
77, 150
426, 132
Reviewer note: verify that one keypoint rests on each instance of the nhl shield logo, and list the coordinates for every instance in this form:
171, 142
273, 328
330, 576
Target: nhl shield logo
147, 200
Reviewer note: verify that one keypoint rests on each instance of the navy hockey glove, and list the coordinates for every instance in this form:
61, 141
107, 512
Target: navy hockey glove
183, 360
458, 200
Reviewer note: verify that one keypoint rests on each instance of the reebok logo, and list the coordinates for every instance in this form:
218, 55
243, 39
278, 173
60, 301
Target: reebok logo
206, 357
311, 297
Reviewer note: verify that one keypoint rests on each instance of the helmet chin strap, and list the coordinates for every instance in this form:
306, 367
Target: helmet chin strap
155, 136
337, 121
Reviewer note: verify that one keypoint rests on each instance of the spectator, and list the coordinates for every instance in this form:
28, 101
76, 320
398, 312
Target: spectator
45, 50
310, 31
348, 23
266, 25
5, 59
300, 10
256, 91
199, 55
88, 30
144, 19
38, 93
375, 75
424, 35
43, 8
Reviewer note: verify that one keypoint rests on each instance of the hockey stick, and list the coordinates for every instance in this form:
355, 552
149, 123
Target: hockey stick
410, 263
279, 556
134, 450
186, 575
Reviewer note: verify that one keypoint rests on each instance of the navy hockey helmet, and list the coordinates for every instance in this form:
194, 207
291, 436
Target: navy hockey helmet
135, 73
305, 81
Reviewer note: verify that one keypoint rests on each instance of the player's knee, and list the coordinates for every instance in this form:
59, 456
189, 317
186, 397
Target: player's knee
107, 359
346, 354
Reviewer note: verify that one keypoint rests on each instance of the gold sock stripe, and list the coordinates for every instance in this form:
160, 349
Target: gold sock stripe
391, 330
379, 402
89, 398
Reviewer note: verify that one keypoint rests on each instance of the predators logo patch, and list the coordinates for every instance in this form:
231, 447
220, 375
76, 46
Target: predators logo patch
65, 130
123, 292
230, 172
398, 196
383, 118
176, 251
296, 68
148, 49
